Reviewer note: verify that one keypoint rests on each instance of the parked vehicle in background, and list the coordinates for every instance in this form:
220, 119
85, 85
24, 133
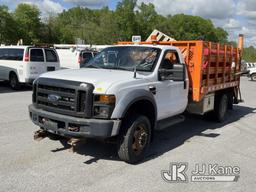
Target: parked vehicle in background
23, 64
132, 89
73, 56
249, 69
251, 65
85, 56
252, 73
246, 66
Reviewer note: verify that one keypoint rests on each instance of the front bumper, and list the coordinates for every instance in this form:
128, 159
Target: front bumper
64, 125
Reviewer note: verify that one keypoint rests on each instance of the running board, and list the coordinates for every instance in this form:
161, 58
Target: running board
165, 123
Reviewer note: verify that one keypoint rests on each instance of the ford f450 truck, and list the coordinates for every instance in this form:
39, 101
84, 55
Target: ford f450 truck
129, 90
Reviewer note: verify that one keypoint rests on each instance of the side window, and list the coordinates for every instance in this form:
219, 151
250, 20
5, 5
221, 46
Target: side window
50, 56
1, 54
170, 58
36, 55
95, 53
87, 55
16, 54
11, 54
171, 68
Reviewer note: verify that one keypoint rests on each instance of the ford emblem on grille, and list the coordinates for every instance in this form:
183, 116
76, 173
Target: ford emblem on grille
53, 98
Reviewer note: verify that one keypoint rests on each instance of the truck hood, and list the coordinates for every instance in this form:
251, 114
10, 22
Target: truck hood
102, 79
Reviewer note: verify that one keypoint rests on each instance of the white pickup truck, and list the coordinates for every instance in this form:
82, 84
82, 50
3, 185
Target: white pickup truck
126, 92
252, 73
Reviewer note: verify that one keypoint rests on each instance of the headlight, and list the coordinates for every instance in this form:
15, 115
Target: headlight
103, 106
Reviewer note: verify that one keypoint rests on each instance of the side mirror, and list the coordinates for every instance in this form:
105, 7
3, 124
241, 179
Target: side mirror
177, 73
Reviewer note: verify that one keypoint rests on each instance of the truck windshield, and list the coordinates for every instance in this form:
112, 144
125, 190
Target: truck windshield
126, 58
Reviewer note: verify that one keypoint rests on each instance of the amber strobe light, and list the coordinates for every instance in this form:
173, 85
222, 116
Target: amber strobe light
153, 38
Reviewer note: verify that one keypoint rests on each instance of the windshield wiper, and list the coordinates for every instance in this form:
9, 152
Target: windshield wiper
92, 66
125, 69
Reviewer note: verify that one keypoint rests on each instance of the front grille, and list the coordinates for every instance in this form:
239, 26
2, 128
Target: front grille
64, 97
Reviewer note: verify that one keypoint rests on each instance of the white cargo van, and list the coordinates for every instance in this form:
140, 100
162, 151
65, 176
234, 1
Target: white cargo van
23, 64
73, 58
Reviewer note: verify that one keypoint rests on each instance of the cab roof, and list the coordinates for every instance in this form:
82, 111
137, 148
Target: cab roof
14, 47
163, 47
21, 47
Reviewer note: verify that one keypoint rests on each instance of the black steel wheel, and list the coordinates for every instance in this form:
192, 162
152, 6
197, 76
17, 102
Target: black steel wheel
134, 139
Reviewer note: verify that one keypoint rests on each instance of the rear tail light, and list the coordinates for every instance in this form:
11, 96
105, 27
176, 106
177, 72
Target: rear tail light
80, 60
26, 56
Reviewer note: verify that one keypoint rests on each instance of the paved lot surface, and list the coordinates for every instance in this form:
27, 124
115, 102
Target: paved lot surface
26, 165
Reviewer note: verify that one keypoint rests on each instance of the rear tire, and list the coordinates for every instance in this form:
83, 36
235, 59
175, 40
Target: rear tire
230, 100
220, 107
134, 139
253, 77
14, 82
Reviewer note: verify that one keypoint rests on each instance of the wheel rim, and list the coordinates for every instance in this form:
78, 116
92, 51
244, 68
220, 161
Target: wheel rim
140, 139
254, 77
223, 107
13, 81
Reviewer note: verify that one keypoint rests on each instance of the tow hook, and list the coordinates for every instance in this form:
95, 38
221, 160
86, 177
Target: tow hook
74, 143
39, 135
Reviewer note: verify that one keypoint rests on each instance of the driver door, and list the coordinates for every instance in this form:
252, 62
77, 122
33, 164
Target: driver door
171, 88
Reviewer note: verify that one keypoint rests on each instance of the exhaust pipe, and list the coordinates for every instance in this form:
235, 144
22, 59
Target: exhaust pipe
241, 43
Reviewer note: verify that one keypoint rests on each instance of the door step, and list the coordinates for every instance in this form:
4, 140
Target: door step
165, 123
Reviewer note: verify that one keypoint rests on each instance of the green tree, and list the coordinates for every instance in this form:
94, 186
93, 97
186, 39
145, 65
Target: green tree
28, 20
147, 19
106, 30
92, 26
221, 35
187, 27
8, 27
249, 54
70, 24
48, 32
126, 19
106, 26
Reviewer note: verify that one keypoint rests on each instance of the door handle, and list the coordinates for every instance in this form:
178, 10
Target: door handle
152, 89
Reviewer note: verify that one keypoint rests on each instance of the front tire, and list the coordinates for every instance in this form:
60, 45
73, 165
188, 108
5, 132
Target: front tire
253, 77
14, 82
134, 139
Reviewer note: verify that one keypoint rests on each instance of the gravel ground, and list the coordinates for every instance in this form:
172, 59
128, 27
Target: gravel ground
27, 165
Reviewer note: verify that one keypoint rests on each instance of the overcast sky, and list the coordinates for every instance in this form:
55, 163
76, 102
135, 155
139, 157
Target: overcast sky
235, 16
